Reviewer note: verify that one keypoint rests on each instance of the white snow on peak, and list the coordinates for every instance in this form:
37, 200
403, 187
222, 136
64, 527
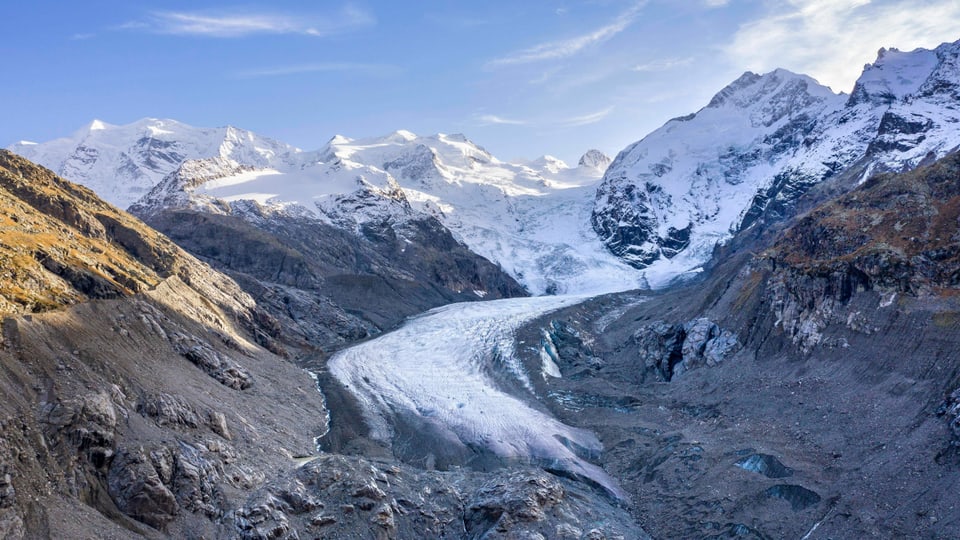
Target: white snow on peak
894, 75
124, 162
339, 139
549, 164
705, 169
531, 218
97, 125
702, 172
595, 159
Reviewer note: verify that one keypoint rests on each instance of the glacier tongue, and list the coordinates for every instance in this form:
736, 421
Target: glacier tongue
447, 370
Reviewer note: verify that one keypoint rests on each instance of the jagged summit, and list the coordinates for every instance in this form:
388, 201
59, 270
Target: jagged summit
595, 159
123, 162
525, 217
894, 75
761, 143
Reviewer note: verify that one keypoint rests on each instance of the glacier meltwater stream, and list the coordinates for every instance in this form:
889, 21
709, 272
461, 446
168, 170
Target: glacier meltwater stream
447, 370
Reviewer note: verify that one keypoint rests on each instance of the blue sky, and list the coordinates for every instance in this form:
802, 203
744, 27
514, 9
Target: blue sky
520, 78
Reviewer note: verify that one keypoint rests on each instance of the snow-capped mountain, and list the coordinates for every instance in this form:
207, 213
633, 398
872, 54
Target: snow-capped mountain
531, 218
763, 141
123, 163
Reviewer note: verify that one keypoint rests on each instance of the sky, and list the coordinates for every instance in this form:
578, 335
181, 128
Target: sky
521, 78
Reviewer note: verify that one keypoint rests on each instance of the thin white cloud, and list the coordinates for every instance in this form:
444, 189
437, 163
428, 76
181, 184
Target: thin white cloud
492, 119
82, 36
573, 121
241, 24
279, 71
553, 50
663, 65
716, 3
830, 40
586, 119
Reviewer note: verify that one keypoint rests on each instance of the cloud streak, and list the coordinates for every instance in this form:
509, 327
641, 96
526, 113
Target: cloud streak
663, 65
573, 121
587, 119
831, 39
241, 24
565, 48
492, 119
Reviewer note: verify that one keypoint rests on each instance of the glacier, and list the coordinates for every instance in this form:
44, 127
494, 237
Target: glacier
446, 372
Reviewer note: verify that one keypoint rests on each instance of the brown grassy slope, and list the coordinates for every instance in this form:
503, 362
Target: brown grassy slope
898, 230
60, 244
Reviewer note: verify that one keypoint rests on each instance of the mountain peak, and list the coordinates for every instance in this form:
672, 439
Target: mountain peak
595, 159
401, 136
750, 89
97, 125
894, 75
743, 81
455, 137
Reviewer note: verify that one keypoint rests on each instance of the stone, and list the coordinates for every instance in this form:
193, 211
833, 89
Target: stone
218, 424
136, 488
166, 409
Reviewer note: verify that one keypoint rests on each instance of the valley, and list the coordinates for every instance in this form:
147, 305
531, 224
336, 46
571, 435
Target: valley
742, 326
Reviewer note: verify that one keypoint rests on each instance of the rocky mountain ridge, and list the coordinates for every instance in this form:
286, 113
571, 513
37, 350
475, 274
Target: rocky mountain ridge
123, 163
765, 140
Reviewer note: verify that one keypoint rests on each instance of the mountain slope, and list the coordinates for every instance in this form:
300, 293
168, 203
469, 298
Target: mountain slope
143, 407
138, 399
835, 414
764, 141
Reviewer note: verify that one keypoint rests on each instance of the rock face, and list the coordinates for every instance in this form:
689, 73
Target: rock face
895, 235
763, 142
326, 287
670, 350
341, 497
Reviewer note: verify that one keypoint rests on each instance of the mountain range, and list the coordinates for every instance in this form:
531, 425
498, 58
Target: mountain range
745, 325
529, 218
662, 206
